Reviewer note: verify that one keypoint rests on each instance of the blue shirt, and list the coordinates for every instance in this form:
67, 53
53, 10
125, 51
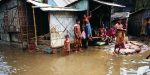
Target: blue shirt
88, 30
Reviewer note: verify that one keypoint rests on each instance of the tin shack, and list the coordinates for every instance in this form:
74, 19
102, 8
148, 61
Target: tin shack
61, 17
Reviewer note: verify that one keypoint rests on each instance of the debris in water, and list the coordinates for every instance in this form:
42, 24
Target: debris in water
144, 70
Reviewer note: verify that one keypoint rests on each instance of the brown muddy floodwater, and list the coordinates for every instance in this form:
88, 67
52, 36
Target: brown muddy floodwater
93, 61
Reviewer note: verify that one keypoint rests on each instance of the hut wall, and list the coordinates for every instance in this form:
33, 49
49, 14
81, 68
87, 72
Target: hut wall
61, 24
13, 19
8, 13
136, 22
2, 12
5, 37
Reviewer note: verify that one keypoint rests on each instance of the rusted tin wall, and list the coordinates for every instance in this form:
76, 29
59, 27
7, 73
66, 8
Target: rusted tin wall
7, 12
1, 18
61, 24
12, 18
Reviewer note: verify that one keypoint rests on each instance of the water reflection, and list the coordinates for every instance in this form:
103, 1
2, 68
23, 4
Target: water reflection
5, 69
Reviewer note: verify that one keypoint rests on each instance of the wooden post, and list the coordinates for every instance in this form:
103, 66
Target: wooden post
49, 29
110, 17
35, 31
88, 7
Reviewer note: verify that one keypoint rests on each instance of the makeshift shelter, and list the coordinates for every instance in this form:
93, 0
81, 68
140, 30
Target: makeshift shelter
60, 20
62, 15
137, 22
14, 21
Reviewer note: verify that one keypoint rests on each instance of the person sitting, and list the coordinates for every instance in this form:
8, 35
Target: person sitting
111, 33
102, 33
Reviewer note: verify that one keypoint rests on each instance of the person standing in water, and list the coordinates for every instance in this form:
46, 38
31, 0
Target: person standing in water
88, 30
78, 38
120, 35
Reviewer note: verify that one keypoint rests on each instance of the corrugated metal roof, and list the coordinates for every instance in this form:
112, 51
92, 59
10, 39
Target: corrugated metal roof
58, 9
38, 4
46, 7
108, 3
60, 3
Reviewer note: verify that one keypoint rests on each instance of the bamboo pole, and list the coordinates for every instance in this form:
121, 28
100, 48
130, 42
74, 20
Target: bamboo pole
35, 31
88, 8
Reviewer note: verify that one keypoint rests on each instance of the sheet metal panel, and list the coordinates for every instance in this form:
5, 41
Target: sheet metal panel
81, 5
58, 9
1, 22
108, 3
60, 3
61, 24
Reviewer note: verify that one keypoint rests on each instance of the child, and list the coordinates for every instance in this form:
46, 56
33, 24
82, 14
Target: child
31, 46
66, 44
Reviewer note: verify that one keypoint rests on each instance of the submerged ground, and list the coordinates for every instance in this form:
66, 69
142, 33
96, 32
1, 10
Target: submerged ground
93, 61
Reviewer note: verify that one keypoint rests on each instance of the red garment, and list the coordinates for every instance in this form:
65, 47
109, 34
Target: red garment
102, 32
121, 45
111, 32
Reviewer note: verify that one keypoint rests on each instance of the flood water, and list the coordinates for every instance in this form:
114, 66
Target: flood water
93, 61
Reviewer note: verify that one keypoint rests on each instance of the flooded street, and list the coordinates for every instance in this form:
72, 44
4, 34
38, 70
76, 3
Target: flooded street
93, 61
